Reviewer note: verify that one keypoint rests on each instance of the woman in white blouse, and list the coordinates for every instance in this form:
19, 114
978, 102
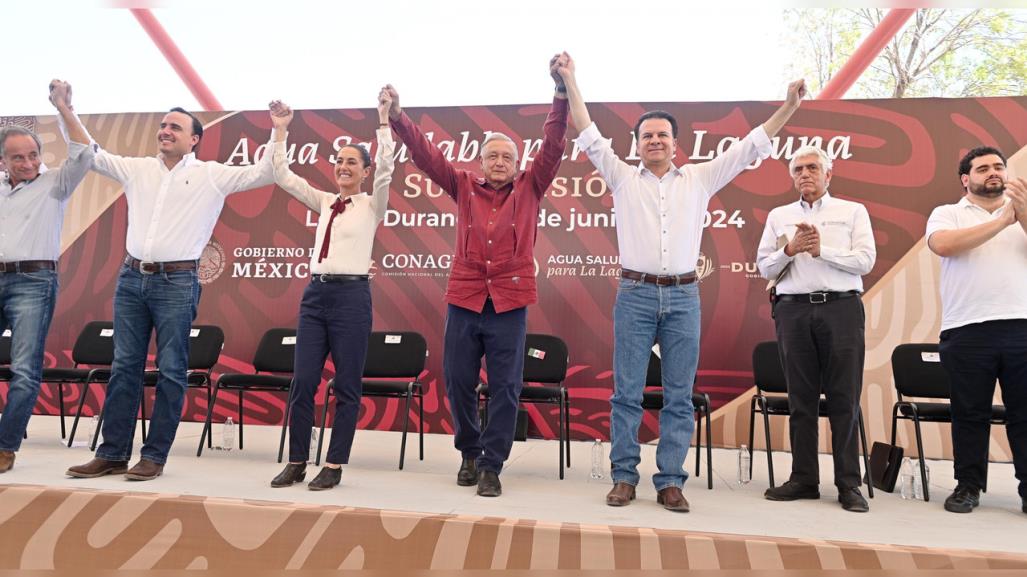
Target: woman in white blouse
335, 313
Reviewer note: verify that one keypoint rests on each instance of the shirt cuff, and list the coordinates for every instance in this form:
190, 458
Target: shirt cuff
591, 134
762, 142
75, 149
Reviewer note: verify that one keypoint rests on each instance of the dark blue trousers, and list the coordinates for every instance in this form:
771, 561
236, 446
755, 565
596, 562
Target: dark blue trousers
975, 356
335, 317
500, 339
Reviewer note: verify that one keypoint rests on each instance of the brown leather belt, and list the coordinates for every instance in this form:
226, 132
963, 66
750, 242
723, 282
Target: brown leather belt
664, 280
27, 266
156, 267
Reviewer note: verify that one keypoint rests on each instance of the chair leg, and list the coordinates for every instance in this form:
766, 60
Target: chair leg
78, 413
894, 422
96, 433
420, 425
698, 441
567, 425
60, 405
560, 436
324, 423
240, 424
285, 422
207, 434
142, 411
752, 430
920, 454
709, 449
210, 439
406, 427
770, 452
866, 455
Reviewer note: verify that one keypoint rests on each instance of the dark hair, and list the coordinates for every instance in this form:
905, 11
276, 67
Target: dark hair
964, 164
197, 125
365, 156
658, 114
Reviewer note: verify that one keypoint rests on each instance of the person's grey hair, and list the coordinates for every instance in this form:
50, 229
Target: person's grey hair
825, 160
499, 136
7, 131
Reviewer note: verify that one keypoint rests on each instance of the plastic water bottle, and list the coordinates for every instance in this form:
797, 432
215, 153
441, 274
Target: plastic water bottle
906, 479
919, 483
312, 452
744, 462
228, 435
597, 459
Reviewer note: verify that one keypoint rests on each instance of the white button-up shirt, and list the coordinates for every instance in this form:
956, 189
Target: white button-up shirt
847, 249
349, 251
986, 283
32, 212
660, 220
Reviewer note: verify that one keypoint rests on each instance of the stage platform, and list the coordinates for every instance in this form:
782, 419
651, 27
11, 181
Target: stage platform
218, 512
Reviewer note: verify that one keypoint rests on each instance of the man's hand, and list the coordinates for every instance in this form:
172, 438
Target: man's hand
384, 106
806, 238
60, 93
281, 115
564, 66
395, 111
1016, 190
796, 92
557, 62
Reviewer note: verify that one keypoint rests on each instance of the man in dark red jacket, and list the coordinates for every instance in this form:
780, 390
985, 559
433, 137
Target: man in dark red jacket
492, 280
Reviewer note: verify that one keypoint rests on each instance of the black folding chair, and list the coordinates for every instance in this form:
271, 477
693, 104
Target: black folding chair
769, 376
652, 400
918, 373
93, 347
275, 354
205, 344
545, 362
398, 357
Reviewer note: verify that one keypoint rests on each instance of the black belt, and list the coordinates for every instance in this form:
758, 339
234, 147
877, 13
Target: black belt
661, 280
157, 267
338, 277
27, 266
818, 298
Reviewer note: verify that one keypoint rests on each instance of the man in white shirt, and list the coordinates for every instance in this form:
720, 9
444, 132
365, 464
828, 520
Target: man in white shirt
32, 202
174, 201
660, 210
819, 319
983, 248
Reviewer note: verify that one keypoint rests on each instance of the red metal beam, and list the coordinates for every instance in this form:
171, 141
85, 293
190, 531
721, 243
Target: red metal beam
177, 60
866, 53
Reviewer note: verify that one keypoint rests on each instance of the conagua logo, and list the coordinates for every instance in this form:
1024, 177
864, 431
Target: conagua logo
212, 263
703, 267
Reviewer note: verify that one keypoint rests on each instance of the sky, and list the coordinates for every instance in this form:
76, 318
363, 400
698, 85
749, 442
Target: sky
338, 54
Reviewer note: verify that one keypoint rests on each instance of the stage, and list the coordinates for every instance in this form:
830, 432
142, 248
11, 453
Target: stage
218, 511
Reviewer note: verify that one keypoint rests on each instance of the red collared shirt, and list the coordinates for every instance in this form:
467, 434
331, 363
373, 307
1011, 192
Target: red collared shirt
496, 229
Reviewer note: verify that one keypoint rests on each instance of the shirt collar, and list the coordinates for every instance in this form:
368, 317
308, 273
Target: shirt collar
187, 160
964, 202
674, 169
820, 202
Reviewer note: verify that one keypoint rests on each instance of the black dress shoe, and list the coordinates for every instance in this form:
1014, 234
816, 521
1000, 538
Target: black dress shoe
292, 473
852, 500
326, 479
791, 491
467, 476
963, 499
489, 485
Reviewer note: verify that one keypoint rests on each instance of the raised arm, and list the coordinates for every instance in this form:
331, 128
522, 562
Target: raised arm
289, 181
796, 92
599, 149
80, 154
426, 156
110, 165
384, 158
545, 166
233, 179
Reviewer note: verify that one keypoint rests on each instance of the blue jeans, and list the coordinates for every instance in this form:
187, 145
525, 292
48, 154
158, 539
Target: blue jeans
26, 307
643, 314
144, 303
499, 337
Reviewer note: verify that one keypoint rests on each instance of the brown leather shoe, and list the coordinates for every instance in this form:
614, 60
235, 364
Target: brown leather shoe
97, 468
6, 461
672, 499
144, 470
620, 495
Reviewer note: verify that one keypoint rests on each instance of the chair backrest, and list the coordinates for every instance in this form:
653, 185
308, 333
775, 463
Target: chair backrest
545, 359
918, 372
95, 344
767, 371
395, 355
276, 352
654, 374
5, 347
205, 344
